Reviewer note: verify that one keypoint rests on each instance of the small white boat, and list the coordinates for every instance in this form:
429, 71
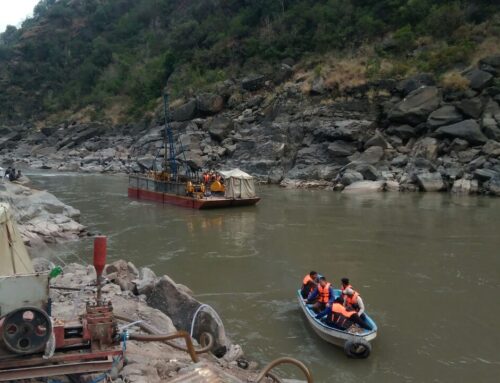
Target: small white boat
355, 344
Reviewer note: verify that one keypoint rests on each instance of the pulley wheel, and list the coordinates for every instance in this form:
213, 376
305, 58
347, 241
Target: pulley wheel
26, 330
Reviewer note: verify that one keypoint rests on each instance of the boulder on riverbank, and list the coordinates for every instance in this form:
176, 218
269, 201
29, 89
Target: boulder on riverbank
42, 218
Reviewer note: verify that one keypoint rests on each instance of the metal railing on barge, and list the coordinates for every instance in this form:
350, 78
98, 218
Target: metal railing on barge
146, 183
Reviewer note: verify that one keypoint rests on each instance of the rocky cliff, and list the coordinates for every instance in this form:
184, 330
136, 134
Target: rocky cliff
414, 134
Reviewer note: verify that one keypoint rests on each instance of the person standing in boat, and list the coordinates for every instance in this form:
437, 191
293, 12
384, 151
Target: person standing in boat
322, 296
309, 283
353, 301
339, 317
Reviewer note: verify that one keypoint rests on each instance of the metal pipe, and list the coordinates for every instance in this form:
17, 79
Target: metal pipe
100, 245
285, 360
163, 338
207, 340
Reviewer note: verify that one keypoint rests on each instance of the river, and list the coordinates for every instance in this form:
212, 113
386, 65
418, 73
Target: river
427, 266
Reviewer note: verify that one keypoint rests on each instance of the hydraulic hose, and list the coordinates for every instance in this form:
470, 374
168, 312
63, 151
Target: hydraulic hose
266, 371
206, 340
167, 337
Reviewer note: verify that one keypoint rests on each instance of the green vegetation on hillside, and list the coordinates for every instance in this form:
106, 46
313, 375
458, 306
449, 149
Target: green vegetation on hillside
72, 54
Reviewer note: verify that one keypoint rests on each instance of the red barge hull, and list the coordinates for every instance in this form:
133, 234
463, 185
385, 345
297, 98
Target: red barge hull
170, 193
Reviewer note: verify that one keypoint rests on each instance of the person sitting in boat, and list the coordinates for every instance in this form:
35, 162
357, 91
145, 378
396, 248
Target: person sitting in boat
322, 296
309, 283
344, 284
339, 317
353, 301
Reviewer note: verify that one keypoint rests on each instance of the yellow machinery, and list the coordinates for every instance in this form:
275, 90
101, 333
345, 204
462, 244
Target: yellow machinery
217, 187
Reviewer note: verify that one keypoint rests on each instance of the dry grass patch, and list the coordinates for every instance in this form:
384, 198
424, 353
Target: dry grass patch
454, 81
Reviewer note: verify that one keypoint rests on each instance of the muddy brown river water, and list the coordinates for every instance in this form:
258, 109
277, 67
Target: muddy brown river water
427, 266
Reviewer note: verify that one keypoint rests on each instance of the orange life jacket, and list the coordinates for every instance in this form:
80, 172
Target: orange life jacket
341, 317
337, 308
352, 301
324, 293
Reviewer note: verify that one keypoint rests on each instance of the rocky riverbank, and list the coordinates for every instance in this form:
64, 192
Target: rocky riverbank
164, 306
301, 131
42, 217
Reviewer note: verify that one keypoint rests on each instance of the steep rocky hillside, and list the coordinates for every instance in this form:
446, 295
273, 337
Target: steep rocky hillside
108, 60
413, 134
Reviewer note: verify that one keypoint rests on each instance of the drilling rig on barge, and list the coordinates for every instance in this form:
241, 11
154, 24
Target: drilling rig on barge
224, 189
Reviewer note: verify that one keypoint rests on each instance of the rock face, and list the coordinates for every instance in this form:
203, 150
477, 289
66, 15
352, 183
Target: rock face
185, 112
40, 215
417, 106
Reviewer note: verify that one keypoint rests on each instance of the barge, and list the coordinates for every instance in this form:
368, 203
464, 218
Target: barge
238, 189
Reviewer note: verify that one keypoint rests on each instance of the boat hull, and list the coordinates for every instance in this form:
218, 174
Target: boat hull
335, 336
189, 202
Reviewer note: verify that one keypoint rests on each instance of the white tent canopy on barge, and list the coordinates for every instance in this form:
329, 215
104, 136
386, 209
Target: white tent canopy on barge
238, 184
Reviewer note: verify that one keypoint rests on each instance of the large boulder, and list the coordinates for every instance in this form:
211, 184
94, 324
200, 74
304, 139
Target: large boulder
445, 115
377, 140
404, 132
416, 107
430, 182
478, 78
350, 176
426, 148
185, 112
219, 128
170, 298
369, 172
365, 187
410, 84
492, 148
464, 186
253, 83
193, 159
318, 86
81, 135
341, 148
493, 186
485, 174
490, 64
471, 107
209, 103
468, 130
371, 156
9, 139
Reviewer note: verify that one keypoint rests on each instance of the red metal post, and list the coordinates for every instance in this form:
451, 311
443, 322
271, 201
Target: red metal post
100, 244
